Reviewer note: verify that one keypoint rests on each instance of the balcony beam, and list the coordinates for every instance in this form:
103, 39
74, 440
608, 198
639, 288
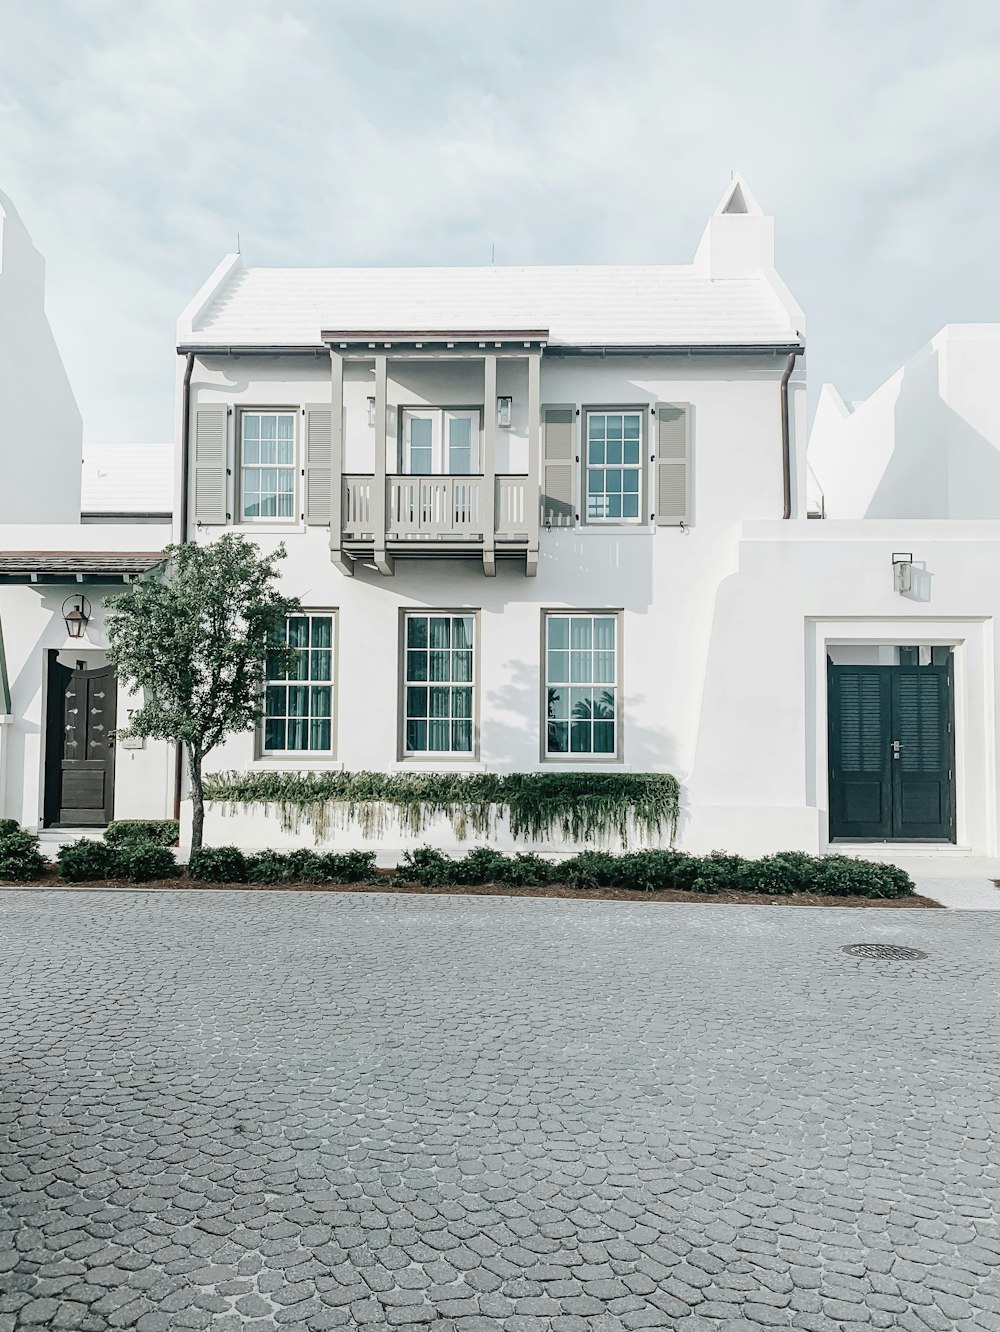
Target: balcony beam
488, 496
383, 561
343, 561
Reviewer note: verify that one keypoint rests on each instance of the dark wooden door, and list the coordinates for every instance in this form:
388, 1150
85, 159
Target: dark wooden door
80, 746
891, 753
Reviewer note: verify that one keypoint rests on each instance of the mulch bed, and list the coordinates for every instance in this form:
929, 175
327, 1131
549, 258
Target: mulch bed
499, 890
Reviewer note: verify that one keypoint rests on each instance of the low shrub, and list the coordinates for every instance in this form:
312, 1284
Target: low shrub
778, 875
269, 867
85, 861
164, 832
20, 858
142, 861
345, 867
218, 864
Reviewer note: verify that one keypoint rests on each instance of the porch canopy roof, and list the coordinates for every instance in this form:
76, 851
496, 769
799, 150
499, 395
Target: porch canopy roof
86, 566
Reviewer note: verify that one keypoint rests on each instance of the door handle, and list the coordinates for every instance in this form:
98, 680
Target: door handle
897, 745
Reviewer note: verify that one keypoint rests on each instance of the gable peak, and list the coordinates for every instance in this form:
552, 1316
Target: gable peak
737, 199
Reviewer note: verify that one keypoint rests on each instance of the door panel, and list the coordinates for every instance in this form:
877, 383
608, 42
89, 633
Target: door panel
80, 755
891, 753
860, 775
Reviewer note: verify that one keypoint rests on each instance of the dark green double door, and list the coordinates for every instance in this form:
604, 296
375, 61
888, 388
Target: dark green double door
892, 749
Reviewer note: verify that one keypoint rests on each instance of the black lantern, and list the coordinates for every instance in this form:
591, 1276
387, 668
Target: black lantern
76, 613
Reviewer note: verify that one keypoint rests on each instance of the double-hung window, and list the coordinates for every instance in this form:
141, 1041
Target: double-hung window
439, 684
439, 442
298, 704
581, 685
267, 465
614, 466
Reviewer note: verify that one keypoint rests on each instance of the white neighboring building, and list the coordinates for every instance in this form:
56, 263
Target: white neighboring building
127, 483
924, 445
40, 425
60, 704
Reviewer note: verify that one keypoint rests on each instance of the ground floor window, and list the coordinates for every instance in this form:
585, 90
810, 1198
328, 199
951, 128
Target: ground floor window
298, 705
581, 684
439, 684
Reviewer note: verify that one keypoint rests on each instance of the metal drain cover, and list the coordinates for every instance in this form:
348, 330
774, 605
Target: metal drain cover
883, 952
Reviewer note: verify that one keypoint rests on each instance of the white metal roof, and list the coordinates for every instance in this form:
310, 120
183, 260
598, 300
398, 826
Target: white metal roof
580, 306
128, 478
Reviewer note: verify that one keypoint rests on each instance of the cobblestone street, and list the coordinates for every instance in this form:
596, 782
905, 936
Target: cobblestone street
250, 1111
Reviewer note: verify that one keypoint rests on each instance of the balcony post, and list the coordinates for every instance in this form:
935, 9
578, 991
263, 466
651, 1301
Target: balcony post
487, 499
534, 484
380, 499
337, 555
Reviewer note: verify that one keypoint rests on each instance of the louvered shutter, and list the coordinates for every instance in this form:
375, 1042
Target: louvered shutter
210, 450
558, 467
318, 464
673, 464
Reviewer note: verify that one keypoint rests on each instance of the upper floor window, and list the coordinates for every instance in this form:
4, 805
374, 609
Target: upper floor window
439, 684
298, 705
614, 467
581, 685
439, 441
267, 465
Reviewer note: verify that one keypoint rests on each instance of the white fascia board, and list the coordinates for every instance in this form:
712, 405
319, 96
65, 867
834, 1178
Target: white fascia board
206, 293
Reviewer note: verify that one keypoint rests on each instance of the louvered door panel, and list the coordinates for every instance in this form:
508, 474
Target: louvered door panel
860, 776
923, 771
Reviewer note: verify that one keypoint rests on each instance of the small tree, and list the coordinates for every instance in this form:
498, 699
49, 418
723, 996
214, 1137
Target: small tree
196, 641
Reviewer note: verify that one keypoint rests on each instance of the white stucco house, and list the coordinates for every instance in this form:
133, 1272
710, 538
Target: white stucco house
60, 704
561, 519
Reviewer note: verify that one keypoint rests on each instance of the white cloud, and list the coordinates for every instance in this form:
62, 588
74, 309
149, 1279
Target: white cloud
138, 136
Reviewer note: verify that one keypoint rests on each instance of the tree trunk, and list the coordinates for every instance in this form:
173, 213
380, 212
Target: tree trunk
197, 796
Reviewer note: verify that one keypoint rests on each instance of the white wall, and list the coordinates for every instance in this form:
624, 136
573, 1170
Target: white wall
41, 431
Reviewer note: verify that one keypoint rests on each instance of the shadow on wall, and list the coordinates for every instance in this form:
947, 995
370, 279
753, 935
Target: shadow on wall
941, 466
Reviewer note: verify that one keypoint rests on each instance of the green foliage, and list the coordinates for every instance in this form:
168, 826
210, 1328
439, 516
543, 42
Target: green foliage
195, 643
20, 858
581, 807
141, 861
164, 832
85, 861
218, 864
649, 871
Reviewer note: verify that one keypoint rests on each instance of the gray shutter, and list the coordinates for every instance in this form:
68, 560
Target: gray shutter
318, 464
673, 464
558, 467
210, 451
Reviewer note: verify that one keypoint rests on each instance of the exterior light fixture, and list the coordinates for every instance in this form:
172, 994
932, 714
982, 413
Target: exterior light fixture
505, 412
902, 571
371, 413
76, 614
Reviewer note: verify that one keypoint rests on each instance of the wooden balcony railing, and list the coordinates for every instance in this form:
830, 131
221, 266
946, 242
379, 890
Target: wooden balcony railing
446, 508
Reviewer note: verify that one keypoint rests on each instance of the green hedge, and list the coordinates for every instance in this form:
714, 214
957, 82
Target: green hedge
137, 861
164, 832
20, 857
582, 807
778, 875
227, 864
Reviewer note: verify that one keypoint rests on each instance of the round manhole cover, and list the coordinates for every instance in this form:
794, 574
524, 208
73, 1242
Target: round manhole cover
877, 952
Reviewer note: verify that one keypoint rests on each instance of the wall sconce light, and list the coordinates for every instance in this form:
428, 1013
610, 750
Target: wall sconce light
371, 413
76, 614
902, 571
505, 413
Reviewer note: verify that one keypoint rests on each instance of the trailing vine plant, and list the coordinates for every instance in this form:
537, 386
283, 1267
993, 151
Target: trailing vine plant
581, 807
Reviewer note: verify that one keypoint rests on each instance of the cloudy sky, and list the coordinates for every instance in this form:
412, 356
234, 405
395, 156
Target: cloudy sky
137, 137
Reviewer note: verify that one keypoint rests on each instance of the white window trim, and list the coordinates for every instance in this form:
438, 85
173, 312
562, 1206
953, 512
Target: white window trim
641, 518
450, 756
285, 520
569, 758
307, 756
